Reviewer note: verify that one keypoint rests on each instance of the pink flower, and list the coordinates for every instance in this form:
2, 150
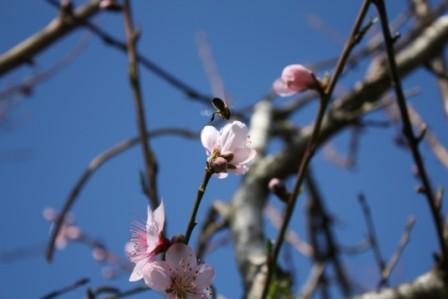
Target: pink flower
295, 78
232, 144
68, 232
147, 242
179, 276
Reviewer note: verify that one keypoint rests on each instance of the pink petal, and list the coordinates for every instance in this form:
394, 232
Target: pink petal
205, 276
281, 88
195, 296
137, 272
233, 136
181, 258
159, 216
297, 77
209, 138
157, 275
243, 155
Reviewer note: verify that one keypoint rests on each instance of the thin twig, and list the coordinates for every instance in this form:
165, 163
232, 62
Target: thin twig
66, 289
321, 223
372, 234
312, 282
134, 78
401, 246
408, 132
94, 165
310, 149
192, 222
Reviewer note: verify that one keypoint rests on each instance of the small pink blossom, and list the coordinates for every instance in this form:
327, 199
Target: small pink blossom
231, 143
147, 241
179, 276
295, 78
68, 232
109, 5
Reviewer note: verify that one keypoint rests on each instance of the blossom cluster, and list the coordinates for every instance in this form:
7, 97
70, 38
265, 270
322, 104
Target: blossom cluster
178, 275
171, 266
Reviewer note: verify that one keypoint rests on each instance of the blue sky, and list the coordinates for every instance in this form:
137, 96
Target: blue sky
48, 139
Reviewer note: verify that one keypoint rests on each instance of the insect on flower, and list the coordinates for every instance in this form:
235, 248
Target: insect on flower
221, 108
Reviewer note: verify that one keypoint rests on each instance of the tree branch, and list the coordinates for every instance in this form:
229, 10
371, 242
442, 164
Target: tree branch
57, 28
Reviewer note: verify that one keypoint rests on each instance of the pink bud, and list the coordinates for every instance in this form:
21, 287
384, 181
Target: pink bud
278, 188
295, 78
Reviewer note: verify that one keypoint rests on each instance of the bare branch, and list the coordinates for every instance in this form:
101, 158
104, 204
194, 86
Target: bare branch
409, 133
401, 246
57, 28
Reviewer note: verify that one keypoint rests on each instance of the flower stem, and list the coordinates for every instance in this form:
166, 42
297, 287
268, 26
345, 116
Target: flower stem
192, 222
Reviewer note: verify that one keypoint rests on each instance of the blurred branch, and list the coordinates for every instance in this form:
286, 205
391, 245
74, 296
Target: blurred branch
211, 226
372, 237
349, 160
115, 293
66, 289
325, 94
312, 282
26, 87
321, 223
250, 198
387, 270
291, 236
151, 66
211, 70
25, 51
439, 68
429, 285
408, 132
96, 163
151, 167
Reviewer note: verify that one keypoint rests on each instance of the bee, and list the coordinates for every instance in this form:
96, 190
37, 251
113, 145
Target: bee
221, 108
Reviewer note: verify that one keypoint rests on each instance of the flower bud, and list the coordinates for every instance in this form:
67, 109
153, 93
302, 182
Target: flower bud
295, 78
278, 188
219, 165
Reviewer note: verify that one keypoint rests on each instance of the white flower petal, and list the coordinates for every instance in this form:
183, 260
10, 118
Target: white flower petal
234, 136
159, 216
209, 138
205, 276
243, 155
181, 258
157, 275
137, 272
